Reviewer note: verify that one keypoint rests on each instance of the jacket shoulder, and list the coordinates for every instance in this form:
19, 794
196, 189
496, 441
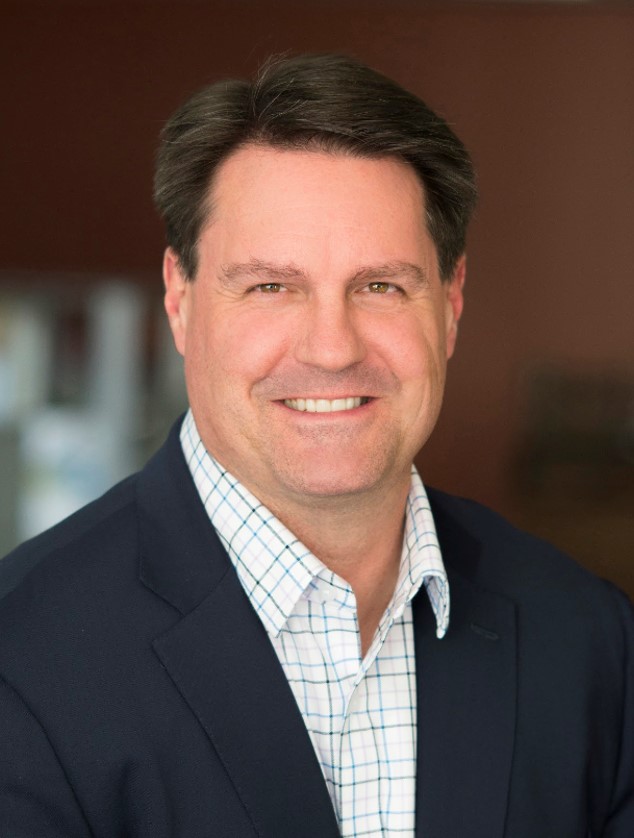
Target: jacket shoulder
80, 533
493, 553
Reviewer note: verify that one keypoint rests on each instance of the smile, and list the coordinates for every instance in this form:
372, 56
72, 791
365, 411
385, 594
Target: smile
325, 405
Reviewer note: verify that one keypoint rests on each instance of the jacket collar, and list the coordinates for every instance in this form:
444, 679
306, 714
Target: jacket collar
181, 558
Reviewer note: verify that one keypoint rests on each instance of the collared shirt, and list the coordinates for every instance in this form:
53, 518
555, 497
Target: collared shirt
360, 713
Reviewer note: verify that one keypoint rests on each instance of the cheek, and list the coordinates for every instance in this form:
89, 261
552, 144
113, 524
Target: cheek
206, 356
246, 347
415, 350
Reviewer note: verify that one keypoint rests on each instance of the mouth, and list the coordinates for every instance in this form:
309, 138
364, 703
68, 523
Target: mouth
326, 405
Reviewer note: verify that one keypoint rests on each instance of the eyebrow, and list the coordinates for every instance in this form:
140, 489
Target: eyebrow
268, 271
393, 270
273, 272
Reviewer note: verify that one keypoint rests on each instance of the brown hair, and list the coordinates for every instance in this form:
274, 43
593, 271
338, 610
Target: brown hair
327, 102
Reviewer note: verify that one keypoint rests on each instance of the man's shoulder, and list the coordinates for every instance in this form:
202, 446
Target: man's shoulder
555, 603
88, 532
98, 567
106, 526
492, 531
490, 551
65, 587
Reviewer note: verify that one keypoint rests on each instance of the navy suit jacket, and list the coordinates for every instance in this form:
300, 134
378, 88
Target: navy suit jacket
140, 695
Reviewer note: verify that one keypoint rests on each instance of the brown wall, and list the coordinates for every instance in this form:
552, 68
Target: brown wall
543, 96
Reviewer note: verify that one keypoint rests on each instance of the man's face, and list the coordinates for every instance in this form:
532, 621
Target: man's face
317, 330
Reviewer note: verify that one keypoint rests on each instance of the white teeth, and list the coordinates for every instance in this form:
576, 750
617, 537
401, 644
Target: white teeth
324, 405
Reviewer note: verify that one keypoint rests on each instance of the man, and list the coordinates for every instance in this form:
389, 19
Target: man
274, 629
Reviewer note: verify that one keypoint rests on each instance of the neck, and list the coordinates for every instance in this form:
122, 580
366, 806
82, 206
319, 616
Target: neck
360, 541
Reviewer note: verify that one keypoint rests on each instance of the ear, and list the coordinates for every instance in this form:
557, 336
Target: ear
177, 298
454, 302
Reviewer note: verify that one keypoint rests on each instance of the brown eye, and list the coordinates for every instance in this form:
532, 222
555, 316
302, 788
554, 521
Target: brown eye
379, 287
270, 288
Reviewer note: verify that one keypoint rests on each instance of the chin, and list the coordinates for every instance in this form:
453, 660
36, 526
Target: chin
331, 482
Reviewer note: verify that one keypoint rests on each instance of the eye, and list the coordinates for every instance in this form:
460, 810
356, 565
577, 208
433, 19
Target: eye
381, 288
269, 288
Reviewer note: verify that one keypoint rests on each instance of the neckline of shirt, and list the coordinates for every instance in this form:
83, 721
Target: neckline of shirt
276, 569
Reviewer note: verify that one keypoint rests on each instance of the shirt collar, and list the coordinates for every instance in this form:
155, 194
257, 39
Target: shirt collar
276, 569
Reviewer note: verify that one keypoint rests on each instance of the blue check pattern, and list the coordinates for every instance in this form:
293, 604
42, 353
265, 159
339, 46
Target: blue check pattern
360, 713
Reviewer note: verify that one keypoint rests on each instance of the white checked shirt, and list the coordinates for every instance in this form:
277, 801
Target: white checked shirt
360, 713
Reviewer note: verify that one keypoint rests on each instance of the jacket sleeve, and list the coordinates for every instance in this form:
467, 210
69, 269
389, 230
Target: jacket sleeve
36, 800
620, 821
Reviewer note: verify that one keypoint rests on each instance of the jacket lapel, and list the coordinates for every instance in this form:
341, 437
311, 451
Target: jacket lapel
466, 686
222, 662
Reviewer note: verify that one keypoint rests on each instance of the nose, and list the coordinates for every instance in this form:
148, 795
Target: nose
329, 336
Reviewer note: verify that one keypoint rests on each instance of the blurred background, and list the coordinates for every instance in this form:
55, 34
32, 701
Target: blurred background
539, 415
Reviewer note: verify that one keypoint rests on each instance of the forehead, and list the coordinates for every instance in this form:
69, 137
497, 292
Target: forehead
265, 193
257, 164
